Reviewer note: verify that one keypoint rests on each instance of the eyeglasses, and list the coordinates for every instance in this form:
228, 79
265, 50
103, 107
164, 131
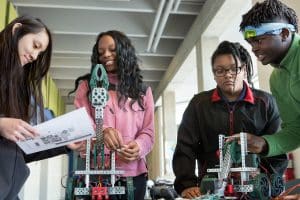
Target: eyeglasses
222, 72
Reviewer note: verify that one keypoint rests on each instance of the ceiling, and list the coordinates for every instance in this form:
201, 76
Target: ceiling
156, 27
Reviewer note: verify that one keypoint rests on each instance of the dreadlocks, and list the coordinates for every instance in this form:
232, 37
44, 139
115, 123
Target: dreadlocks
269, 11
238, 52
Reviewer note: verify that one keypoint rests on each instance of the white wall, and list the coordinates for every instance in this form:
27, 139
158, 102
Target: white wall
44, 182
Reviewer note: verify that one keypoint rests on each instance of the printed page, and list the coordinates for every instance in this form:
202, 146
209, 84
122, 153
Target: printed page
68, 128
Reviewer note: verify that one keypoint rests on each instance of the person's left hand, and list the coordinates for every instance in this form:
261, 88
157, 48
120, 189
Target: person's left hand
129, 152
255, 144
80, 147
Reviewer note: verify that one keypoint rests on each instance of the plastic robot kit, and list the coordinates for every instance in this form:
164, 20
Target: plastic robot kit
100, 178
239, 176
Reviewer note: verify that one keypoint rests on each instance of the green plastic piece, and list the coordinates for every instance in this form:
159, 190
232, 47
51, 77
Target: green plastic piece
96, 80
130, 188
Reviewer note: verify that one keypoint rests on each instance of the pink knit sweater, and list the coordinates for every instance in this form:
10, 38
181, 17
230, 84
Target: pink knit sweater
136, 124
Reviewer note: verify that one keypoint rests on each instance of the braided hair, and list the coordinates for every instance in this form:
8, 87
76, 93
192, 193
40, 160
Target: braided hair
269, 11
238, 52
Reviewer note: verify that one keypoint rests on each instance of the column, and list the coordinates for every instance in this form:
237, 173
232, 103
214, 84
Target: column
169, 129
204, 50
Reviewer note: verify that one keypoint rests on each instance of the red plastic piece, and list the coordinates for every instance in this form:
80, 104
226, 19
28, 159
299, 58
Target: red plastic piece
99, 192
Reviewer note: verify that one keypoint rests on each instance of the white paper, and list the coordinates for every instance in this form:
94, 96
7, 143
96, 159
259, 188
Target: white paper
68, 128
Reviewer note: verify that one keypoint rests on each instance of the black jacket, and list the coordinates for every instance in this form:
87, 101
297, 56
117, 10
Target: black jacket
206, 117
13, 168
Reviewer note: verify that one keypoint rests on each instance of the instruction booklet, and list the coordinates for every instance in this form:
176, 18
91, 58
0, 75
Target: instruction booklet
68, 128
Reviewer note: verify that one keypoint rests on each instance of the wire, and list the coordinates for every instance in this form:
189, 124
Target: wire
66, 175
285, 193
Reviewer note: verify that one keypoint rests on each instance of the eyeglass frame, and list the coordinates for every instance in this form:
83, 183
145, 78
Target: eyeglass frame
225, 71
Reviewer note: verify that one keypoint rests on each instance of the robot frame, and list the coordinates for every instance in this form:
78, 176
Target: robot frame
238, 175
103, 172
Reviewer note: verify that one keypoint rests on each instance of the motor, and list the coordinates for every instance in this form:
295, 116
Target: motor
163, 189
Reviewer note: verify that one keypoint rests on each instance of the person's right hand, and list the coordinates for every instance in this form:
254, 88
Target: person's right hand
255, 144
112, 138
191, 192
16, 129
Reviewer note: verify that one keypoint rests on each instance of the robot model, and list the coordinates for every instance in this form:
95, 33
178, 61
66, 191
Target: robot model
103, 172
238, 175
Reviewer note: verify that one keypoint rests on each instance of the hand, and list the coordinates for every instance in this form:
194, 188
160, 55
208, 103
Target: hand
16, 129
255, 144
129, 152
112, 139
78, 146
191, 192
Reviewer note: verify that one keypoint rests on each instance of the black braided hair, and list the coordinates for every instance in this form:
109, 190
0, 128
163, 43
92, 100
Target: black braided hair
238, 52
269, 11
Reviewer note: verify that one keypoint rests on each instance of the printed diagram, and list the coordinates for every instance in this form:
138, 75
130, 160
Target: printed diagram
52, 138
71, 127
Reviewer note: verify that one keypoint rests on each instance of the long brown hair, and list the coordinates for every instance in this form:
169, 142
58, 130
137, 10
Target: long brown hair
20, 87
131, 83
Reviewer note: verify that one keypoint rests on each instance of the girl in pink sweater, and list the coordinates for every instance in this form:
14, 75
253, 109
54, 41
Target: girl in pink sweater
128, 122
